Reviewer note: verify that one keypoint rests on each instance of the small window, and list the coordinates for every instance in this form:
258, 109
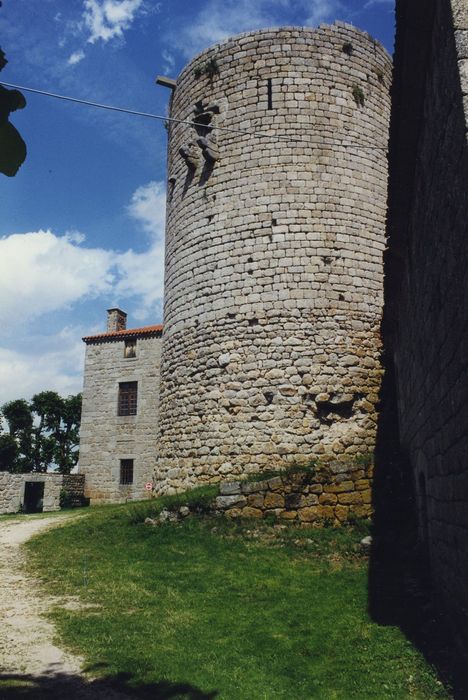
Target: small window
130, 348
126, 471
270, 93
128, 392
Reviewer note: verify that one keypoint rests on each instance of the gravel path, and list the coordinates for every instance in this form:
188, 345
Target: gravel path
31, 665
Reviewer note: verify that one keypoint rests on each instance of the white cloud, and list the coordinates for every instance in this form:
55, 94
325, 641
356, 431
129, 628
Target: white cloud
220, 19
108, 19
148, 206
371, 3
321, 11
169, 61
41, 272
76, 57
142, 274
58, 367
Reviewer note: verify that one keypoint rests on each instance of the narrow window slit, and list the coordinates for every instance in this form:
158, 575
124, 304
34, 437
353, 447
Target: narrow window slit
270, 93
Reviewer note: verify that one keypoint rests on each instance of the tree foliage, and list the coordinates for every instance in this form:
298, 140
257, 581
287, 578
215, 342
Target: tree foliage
12, 146
42, 433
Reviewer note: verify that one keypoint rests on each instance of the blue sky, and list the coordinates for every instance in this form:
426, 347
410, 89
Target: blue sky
82, 223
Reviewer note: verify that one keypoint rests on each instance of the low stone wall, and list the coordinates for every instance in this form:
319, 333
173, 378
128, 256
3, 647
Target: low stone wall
74, 485
334, 492
12, 490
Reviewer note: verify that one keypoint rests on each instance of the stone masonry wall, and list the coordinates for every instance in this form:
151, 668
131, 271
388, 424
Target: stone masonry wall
74, 485
105, 437
335, 493
427, 313
12, 491
274, 242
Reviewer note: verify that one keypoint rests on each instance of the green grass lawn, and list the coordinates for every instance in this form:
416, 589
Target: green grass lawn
251, 612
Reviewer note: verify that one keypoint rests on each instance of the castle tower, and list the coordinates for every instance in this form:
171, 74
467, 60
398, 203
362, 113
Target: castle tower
275, 234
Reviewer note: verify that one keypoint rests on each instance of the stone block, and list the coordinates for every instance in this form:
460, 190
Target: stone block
343, 487
248, 512
255, 500
308, 514
341, 513
275, 483
350, 498
273, 500
234, 513
229, 488
288, 515
253, 486
292, 501
223, 502
328, 499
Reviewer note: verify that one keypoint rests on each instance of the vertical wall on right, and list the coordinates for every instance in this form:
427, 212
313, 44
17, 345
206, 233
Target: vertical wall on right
426, 318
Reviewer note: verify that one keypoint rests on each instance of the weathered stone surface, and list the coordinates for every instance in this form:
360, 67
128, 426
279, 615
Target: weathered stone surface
342, 487
273, 292
328, 499
292, 501
341, 513
248, 512
12, 488
274, 500
350, 498
230, 501
229, 488
255, 500
288, 515
254, 486
107, 438
308, 514
275, 484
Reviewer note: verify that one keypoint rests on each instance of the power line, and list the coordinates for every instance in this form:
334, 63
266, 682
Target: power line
159, 117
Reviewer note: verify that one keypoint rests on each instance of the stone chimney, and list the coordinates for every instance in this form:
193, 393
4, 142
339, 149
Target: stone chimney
116, 320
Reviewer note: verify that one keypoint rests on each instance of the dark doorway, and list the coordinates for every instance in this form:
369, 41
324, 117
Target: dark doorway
33, 496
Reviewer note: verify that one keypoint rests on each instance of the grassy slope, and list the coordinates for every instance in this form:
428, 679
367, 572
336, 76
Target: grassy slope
274, 614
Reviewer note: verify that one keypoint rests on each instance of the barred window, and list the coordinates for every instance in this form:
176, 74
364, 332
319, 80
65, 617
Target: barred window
128, 392
126, 471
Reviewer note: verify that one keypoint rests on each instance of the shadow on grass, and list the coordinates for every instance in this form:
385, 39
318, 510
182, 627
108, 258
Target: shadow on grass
73, 687
400, 592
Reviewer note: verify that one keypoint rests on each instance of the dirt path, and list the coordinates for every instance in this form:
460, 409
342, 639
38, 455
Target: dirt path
31, 665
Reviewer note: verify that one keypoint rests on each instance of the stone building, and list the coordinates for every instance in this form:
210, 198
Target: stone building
120, 410
274, 240
426, 316
38, 492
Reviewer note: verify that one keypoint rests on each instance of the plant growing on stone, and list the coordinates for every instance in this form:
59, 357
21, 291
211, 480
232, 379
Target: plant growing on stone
210, 68
358, 95
364, 460
380, 75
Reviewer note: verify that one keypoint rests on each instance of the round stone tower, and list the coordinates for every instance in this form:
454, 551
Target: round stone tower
275, 234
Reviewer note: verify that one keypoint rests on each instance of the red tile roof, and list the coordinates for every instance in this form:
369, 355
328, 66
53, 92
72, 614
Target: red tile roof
115, 335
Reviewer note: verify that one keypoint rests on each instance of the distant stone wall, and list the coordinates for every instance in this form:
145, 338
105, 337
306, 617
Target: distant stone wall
334, 492
12, 490
426, 325
74, 485
105, 437
274, 242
